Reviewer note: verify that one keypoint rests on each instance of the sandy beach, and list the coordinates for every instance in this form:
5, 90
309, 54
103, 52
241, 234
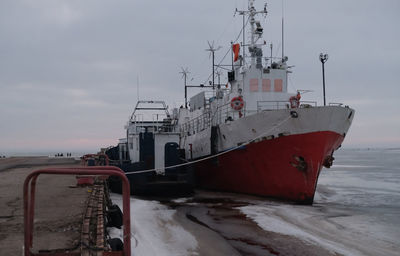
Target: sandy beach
59, 205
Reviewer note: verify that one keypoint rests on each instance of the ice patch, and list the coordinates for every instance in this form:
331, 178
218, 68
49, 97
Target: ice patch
286, 220
115, 233
154, 230
181, 200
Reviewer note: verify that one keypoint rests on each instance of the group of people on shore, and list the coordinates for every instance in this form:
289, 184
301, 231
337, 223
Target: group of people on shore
62, 155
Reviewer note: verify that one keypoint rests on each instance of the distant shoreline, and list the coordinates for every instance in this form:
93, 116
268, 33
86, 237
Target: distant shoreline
44, 154
31, 161
80, 153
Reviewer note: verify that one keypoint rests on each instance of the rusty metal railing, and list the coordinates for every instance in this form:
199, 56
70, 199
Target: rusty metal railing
29, 203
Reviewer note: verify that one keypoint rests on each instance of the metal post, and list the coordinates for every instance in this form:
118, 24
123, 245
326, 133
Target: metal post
323, 58
323, 80
270, 46
283, 36
212, 50
232, 53
283, 42
185, 72
244, 40
185, 92
213, 70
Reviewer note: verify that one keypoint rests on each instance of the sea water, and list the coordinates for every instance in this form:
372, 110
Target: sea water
365, 184
364, 178
356, 210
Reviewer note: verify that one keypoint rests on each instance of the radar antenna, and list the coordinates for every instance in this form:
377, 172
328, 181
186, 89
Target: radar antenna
212, 51
185, 72
256, 31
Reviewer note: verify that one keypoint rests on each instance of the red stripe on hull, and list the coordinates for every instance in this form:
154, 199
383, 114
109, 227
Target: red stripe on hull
271, 168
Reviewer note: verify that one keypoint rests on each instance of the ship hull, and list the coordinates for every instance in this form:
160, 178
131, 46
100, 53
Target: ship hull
285, 168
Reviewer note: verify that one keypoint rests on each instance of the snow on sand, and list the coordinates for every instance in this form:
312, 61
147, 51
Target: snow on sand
154, 230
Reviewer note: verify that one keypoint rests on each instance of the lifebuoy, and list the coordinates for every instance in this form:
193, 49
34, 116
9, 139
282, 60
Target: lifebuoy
237, 103
295, 101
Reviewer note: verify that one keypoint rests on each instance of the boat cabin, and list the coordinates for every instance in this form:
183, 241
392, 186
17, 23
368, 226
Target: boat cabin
150, 140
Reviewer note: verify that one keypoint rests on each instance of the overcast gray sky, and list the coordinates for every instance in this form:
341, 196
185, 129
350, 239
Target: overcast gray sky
68, 68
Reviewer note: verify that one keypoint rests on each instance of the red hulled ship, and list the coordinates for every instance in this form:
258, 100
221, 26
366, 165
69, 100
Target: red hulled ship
254, 136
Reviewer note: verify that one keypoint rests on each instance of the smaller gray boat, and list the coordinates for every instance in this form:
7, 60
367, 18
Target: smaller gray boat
149, 153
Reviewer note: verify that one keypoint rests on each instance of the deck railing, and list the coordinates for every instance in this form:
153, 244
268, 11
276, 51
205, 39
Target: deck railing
225, 113
273, 105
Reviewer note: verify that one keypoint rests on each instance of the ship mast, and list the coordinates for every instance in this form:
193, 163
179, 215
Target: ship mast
256, 31
252, 13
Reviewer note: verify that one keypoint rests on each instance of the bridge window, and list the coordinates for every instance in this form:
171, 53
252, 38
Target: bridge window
266, 85
278, 85
254, 85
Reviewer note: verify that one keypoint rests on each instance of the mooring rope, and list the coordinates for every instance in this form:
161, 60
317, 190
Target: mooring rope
211, 156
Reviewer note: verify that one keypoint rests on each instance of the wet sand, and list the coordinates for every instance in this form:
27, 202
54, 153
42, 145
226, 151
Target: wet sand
58, 211
219, 212
281, 228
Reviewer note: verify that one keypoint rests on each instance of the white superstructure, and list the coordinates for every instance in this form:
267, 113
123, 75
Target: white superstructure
254, 100
151, 119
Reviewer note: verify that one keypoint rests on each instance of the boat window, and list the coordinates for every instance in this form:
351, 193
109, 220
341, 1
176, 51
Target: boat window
266, 85
254, 85
278, 85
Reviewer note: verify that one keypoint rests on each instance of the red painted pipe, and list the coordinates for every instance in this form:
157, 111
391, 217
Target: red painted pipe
29, 199
32, 206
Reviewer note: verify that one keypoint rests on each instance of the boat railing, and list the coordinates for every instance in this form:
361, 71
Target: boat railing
306, 104
210, 96
335, 104
137, 118
223, 114
145, 118
269, 104
196, 124
164, 126
274, 104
